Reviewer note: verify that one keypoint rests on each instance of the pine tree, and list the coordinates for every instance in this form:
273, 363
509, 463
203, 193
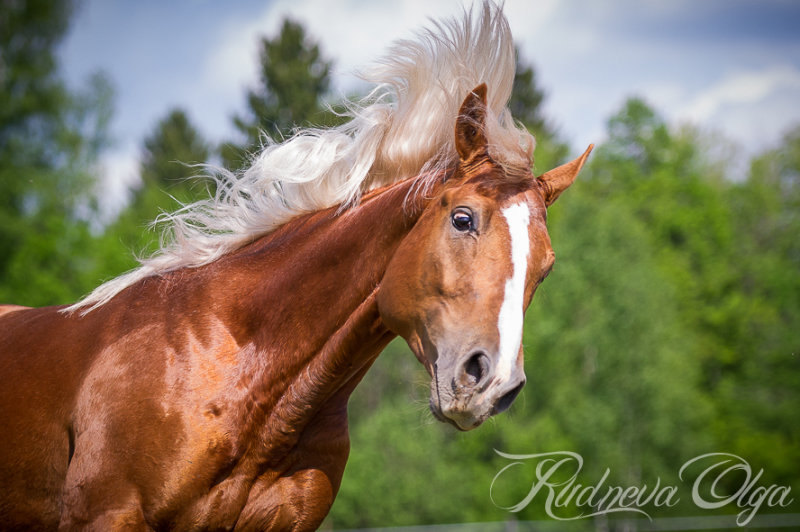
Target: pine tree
168, 181
294, 76
174, 144
50, 138
526, 98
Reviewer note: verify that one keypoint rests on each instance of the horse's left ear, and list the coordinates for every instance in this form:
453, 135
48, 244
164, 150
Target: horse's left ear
559, 179
470, 137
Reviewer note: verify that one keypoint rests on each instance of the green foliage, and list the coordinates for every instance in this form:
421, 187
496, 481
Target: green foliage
757, 384
173, 145
725, 248
50, 138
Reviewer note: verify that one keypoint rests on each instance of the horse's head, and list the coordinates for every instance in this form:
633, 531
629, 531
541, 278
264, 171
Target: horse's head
458, 285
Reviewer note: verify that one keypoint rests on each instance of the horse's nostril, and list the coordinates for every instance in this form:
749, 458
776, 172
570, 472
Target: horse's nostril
475, 369
504, 402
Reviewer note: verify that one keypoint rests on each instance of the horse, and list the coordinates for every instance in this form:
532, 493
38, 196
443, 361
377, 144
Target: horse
208, 389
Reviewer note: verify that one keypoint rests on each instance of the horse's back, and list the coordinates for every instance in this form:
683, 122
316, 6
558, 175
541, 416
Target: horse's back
41, 365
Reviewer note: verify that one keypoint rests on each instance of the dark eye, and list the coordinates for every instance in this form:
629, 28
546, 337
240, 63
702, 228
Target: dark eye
462, 220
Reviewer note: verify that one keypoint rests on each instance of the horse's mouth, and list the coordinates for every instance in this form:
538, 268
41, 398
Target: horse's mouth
439, 415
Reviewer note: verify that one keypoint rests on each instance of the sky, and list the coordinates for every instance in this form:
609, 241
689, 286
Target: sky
730, 67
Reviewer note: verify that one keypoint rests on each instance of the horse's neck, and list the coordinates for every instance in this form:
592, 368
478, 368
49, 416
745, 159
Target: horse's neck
311, 274
304, 298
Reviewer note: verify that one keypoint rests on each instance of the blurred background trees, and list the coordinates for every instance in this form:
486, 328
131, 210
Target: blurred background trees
668, 328
50, 138
172, 154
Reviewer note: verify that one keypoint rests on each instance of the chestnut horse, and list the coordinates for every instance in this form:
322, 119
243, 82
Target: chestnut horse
214, 396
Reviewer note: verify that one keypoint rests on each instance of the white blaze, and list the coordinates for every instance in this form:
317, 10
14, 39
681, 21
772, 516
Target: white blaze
509, 321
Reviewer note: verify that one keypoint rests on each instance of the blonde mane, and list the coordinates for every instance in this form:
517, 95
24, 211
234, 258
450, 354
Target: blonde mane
404, 128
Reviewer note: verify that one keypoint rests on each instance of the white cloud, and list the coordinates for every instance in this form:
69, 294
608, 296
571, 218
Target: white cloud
233, 59
119, 171
741, 89
753, 108
352, 33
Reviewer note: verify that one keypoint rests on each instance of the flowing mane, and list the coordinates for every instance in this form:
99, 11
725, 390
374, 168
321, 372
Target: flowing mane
403, 129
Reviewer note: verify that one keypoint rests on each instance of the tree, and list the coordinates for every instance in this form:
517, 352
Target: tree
525, 105
725, 252
166, 183
33, 99
757, 389
174, 144
526, 98
294, 76
50, 138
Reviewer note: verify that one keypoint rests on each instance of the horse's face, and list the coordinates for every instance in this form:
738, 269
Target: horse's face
459, 284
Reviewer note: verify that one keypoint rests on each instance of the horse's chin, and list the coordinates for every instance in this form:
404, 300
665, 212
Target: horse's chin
463, 422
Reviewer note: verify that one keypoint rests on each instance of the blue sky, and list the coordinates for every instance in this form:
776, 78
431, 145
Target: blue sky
728, 66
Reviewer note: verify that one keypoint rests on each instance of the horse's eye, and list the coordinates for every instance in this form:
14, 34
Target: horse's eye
462, 220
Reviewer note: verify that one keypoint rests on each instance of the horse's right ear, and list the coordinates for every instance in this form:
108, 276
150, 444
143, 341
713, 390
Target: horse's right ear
470, 124
558, 179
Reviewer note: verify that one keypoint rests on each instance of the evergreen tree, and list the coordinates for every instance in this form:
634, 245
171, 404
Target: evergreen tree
293, 77
526, 98
167, 182
525, 105
32, 99
50, 138
174, 144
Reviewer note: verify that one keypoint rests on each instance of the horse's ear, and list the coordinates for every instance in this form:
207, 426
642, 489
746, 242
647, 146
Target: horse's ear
470, 137
559, 179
